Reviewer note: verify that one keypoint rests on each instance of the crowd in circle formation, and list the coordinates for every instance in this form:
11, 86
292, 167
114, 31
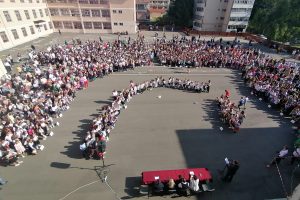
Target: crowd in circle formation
94, 144
46, 84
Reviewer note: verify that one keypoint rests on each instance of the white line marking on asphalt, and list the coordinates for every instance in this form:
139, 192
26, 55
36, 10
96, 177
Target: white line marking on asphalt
79, 189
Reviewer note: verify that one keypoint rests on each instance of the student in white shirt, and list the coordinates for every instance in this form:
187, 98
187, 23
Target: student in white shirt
281, 155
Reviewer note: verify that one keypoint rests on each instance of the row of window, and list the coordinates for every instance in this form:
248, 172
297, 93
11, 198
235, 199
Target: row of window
23, 1
236, 26
76, 13
26, 13
244, 1
79, 1
79, 25
119, 11
24, 32
241, 10
239, 19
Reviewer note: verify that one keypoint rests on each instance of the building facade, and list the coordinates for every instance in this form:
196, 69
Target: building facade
222, 15
93, 16
22, 21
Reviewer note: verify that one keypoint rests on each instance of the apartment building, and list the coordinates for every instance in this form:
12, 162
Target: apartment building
222, 15
22, 21
93, 16
142, 10
150, 10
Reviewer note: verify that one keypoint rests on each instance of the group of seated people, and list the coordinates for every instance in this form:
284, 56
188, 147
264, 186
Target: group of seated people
94, 143
277, 82
46, 84
200, 53
230, 113
182, 187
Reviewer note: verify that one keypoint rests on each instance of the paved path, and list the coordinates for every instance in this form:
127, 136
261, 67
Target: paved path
177, 131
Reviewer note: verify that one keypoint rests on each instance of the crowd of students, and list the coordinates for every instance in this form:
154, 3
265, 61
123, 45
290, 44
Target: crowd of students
230, 113
277, 83
200, 53
94, 143
46, 85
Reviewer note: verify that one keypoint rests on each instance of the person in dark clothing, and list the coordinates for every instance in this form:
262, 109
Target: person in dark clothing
158, 187
232, 168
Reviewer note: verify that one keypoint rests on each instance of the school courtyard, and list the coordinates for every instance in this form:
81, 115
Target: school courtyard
179, 130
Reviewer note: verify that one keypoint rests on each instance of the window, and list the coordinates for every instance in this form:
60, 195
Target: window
15, 34
34, 14
121, 24
84, 1
54, 12
68, 25
13, 1
30, 1
221, 18
96, 13
18, 15
94, 2
105, 13
197, 24
115, 24
41, 13
31, 30
22, 1
106, 25
88, 25
50, 25
85, 13
7, 16
199, 9
4, 36
46, 12
45, 27
26, 14
24, 31
64, 12
120, 11
77, 25
114, 11
97, 25
75, 12
57, 24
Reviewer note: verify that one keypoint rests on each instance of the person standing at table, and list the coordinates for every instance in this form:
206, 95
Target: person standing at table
194, 183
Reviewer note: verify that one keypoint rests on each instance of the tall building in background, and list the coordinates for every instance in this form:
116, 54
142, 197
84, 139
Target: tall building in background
93, 16
222, 15
22, 21
142, 11
150, 10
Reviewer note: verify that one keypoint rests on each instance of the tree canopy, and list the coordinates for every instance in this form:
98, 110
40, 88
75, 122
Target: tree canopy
277, 19
180, 14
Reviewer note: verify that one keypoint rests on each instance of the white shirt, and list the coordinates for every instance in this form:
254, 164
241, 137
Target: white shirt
283, 153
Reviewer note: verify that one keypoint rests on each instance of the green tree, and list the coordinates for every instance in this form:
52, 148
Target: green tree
277, 19
180, 13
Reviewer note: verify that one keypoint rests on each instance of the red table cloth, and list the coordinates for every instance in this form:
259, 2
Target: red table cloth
148, 177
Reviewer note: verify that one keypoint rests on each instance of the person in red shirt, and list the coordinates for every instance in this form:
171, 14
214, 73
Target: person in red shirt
227, 93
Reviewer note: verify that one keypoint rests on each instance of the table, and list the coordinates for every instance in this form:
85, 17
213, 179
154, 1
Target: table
149, 177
